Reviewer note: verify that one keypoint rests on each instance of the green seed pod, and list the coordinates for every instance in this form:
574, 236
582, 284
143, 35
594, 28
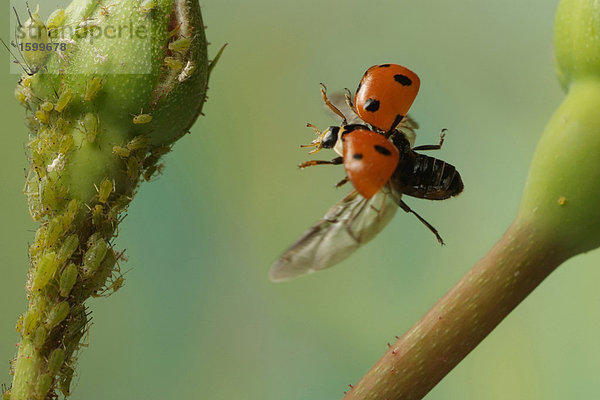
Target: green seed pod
34, 37
94, 85
70, 244
55, 20
138, 142
57, 314
180, 45
46, 267
90, 126
40, 336
66, 376
104, 191
63, 100
68, 279
56, 360
94, 256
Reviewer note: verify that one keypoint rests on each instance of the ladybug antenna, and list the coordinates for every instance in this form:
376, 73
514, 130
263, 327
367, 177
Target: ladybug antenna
330, 105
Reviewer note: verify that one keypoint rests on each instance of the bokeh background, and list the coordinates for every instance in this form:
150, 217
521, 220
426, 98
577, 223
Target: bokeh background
197, 317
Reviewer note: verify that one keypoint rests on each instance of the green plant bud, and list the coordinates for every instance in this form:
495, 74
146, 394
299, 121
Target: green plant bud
68, 279
46, 267
56, 360
57, 314
70, 244
43, 385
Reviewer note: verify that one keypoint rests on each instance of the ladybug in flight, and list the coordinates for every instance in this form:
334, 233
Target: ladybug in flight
381, 163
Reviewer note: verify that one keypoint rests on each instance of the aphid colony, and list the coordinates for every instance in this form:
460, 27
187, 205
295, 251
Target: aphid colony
376, 150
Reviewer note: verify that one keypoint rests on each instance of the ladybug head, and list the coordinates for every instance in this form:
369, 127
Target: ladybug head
325, 140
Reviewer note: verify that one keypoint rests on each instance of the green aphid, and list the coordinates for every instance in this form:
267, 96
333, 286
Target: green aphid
38, 243
54, 231
30, 321
180, 45
147, 5
46, 267
121, 151
137, 143
40, 336
55, 20
141, 119
92, 88
133, 167
47, 106
68, 279
34, 39
66, 144
44, 382
57, 314
63, 100
69, 246
98, 215
90, 126
104, 191
71, 213
56, 360
42, 116
94, 256
66, 376
173, 63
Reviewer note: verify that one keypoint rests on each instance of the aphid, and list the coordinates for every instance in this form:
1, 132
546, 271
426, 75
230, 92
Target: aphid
90, 126
173, 63
47, 106
54, 231
98, 215
69, 246
92, 88
142, 118
385, 94
57, 314
42, 116
133, 167
46, 267
67, 279
121, 151
40, 336
363, 213
66, 377
55, 20
180, 45
63, 100
30, 321
137, 143
44, 382
104, 191
66, 144
147, 5
20, 95
56, 360
94, 256
32, 42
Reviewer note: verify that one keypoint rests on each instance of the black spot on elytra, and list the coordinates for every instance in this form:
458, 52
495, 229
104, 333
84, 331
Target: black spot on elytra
357, 156
402, 79
382, 150
384, 65
372, 105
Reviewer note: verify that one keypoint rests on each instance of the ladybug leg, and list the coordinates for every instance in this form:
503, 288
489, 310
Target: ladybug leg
342, 182
330, 105
335, 161
348, 98
406, 208
433, 146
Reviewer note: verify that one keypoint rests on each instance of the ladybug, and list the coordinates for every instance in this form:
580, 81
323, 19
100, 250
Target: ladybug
385, 94
369, 158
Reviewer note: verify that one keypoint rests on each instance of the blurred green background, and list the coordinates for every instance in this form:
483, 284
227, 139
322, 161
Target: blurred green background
197, 317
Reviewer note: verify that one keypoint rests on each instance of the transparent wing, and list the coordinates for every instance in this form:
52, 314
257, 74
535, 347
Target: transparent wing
338, 100
350, 223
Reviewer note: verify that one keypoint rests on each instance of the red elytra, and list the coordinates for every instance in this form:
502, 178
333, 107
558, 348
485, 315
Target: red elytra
369, 160
385, 94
